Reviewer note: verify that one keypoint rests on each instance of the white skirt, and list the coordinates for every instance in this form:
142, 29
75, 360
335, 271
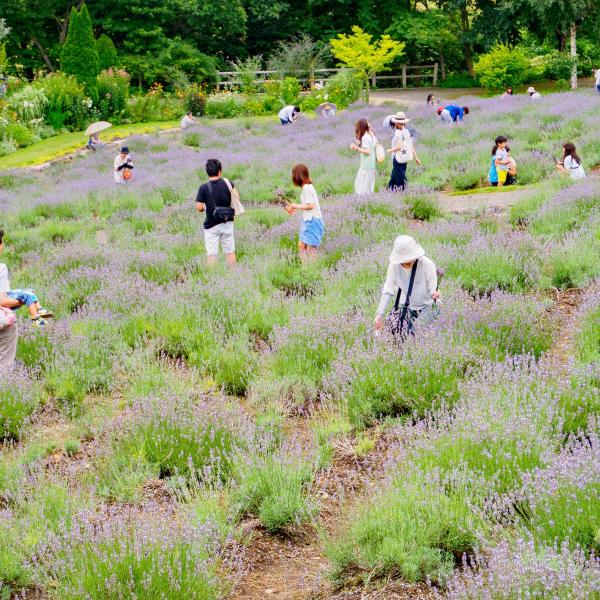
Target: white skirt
365, 181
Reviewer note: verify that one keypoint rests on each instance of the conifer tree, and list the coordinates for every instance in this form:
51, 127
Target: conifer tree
79, 55
107, 53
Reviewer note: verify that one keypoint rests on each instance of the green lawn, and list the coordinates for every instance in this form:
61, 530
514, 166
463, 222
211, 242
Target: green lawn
65, 143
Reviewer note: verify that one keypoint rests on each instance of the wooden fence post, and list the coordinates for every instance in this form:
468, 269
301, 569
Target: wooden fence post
435, 74
403, 76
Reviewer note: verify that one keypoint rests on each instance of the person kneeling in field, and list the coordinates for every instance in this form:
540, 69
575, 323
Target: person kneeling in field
412, 278
14, 299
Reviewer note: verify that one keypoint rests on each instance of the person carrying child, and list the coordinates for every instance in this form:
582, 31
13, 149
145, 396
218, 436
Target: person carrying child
312, 227
14, 299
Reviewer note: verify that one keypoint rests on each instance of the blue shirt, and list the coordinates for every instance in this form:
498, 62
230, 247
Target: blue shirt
456, 112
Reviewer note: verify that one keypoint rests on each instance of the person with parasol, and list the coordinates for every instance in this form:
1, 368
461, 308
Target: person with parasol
93, 132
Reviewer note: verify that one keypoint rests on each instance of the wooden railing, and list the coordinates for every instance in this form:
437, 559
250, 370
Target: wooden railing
227, 78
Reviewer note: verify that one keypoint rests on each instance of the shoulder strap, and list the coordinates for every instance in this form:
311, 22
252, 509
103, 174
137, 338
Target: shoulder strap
210, 191
413, 272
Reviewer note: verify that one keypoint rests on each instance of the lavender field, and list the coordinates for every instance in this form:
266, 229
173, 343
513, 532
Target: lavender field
184, 433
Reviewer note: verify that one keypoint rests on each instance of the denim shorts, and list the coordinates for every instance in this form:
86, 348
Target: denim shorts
27, 296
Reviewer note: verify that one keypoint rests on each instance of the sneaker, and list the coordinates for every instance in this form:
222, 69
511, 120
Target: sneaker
38, 322
44, 313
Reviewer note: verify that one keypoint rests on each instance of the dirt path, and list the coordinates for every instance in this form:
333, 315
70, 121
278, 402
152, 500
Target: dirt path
498, 201
293, 566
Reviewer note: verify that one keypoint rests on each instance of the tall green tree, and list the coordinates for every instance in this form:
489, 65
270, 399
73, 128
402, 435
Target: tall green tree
366, 57
79, 55
107, 53
564, 16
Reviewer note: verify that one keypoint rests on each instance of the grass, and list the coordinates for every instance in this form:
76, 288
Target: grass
67, 143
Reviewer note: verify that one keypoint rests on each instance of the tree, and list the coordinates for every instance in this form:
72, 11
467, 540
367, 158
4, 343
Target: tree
79, 56
562, 16
4, 33
299, 58
358, 52
107, 53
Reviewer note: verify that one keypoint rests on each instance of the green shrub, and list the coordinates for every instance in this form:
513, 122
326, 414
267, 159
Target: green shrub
343, 88
30, 103
275, 489
458, 80
501, 67
107, 53
414, 528
67, 103
423, 208
113, 91
23, 136
558, 65
290, 90
224, 105
194, 98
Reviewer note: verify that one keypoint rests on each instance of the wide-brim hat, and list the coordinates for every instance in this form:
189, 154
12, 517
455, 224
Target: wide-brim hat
405, 250
530, 90
400, 117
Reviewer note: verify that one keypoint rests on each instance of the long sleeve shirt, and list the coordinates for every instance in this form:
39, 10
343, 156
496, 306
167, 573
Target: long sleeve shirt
398, 277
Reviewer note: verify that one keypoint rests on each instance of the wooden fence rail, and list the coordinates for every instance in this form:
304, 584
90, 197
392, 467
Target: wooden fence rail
227, 78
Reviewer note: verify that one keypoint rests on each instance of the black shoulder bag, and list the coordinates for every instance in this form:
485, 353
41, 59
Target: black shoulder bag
398, 316
221, 214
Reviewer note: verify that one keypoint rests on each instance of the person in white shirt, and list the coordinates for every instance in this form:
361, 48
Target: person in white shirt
533, 95
597, 79
407, 255
123, 166
288, 114
402, 150
312, 227
188, 120
570, 164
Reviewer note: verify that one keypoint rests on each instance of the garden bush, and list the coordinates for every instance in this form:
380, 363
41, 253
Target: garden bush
113, 91
68, 105
194, 98
343, 88
290, 90
224, 105
502, 66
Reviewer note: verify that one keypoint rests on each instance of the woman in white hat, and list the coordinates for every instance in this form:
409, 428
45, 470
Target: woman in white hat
402, 151
532, 93
408, 261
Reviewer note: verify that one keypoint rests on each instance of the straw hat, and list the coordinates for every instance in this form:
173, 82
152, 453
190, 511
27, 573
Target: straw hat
530, 90
405, 250
400, 117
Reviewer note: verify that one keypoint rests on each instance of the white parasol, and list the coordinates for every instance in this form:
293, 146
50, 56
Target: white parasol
97, 127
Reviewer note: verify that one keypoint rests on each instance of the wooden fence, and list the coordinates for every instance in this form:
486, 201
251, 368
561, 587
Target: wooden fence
227, 78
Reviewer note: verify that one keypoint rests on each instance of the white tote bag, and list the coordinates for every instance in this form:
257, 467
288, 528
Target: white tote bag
235, 199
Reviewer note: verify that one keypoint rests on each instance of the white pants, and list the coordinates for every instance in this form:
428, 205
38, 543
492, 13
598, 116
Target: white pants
365, 181
223, 232
446, 116
8, 347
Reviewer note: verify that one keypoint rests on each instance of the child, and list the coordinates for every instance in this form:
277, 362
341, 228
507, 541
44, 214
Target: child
500, 160
312, 228
122, 166
16, 298
571, 163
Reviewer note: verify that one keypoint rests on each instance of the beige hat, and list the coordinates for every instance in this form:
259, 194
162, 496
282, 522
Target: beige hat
530, 90
405, 250
400, 117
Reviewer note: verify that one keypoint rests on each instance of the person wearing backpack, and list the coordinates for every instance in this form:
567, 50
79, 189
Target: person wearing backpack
214, 198
412, 278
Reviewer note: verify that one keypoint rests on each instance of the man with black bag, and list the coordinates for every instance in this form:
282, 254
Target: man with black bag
214, 198
413, 279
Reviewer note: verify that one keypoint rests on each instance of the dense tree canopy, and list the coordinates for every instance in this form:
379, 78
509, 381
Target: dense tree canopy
453, 32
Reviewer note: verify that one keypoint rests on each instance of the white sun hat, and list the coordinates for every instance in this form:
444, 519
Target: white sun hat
400, 117
530, 89
405, 250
